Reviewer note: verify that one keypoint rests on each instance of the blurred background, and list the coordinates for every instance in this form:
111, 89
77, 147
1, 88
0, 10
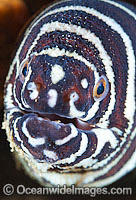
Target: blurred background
13, 15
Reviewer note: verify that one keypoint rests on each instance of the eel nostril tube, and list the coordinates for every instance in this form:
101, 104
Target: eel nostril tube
83, 125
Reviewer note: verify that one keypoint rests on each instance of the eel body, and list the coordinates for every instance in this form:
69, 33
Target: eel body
70, 94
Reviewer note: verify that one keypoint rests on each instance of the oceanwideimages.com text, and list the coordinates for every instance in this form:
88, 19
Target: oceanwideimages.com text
9, 190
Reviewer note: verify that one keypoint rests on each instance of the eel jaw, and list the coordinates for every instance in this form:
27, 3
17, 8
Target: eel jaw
77, 122
45, 137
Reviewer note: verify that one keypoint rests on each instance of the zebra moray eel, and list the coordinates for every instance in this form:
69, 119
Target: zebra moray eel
70, 109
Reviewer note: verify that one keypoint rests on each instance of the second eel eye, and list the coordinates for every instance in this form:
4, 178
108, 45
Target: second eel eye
101, 89
23, 70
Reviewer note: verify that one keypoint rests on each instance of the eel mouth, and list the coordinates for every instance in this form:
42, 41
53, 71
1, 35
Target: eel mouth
50, 138
78, 123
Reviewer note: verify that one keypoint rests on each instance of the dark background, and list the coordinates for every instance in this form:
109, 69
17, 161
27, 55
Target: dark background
8, 170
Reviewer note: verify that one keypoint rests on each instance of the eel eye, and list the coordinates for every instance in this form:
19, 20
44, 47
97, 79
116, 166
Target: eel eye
23, 70
101, 89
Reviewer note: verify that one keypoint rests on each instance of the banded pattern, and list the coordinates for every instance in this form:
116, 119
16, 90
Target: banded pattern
70, 94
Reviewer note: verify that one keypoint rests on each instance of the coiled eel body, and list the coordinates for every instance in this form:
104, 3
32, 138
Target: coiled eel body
70, 94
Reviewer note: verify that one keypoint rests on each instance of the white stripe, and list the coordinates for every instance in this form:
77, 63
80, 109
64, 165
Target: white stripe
10, 72
25, 150
55, 52
33, 141
117, 130
8, 97
11, 111
16, 129
73, 134
73, 112
16, 99
82, 149
92, 111
131, 13
104, 136
27, 79
16, 134
50, 154
83, 145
